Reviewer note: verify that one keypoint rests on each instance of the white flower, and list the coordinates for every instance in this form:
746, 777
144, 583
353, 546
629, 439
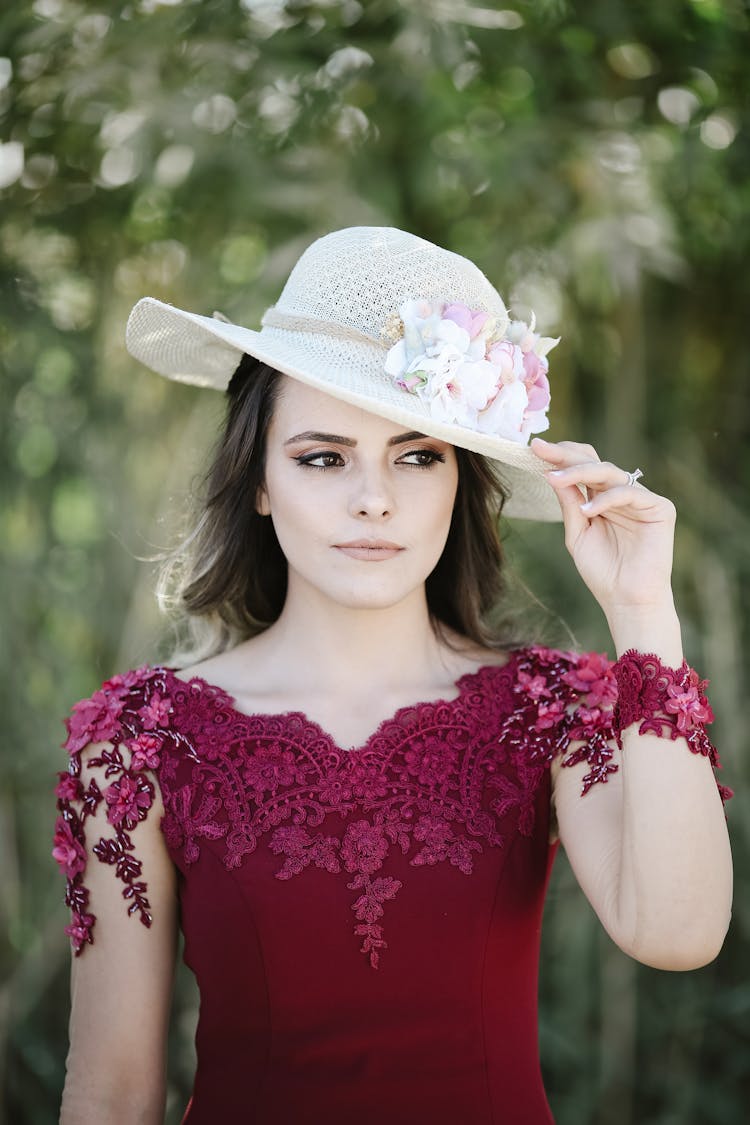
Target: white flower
523, 334
534, 422
505, 416
457, 389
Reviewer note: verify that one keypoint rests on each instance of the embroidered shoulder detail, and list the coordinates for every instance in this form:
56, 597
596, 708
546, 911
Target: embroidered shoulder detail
566, 697
439, 781
133, 714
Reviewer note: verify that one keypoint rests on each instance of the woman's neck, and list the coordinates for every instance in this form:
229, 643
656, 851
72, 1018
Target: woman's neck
328, 649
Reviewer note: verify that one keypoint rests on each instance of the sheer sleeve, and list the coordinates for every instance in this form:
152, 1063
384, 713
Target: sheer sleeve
116, 737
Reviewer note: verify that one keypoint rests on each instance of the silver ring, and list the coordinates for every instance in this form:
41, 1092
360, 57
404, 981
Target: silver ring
634, 476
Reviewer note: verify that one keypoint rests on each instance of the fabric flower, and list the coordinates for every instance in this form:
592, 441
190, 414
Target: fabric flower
457, 390
129, 799
93, 720
146, 752
67, 852
473, 369
79, 930
535, 686
688, 707
549, 714
594, 678
68, 788
156, 712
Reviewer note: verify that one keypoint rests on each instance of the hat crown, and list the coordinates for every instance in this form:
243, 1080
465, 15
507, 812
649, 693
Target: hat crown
359, 276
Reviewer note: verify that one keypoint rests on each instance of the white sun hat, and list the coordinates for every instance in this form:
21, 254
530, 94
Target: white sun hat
391, 323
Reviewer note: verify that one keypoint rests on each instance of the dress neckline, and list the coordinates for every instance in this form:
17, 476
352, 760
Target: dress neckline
461, 686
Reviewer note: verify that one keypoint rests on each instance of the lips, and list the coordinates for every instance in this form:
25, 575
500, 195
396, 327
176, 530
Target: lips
370, 550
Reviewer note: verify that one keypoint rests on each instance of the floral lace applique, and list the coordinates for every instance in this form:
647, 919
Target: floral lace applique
134, 721
668, 702
439, 781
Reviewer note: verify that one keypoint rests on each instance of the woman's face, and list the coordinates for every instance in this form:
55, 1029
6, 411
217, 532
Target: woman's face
361, 506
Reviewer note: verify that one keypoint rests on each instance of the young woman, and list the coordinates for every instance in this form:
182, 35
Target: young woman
351, 805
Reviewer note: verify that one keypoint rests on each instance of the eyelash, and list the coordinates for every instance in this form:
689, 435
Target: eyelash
305, 460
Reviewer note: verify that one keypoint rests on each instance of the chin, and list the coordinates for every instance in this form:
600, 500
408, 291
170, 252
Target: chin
370, 599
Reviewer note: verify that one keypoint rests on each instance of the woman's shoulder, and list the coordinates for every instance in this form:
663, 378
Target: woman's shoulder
138, 697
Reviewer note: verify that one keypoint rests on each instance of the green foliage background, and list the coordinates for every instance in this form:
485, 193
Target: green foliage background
593, 158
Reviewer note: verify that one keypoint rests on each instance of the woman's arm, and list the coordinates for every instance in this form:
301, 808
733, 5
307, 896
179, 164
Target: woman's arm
650, 847
121, 985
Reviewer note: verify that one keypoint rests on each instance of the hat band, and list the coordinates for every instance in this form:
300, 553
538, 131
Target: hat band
275, 318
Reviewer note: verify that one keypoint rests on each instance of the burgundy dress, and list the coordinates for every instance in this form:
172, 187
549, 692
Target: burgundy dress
363, 924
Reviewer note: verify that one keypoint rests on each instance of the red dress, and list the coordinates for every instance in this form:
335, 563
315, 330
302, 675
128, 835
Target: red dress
363, 924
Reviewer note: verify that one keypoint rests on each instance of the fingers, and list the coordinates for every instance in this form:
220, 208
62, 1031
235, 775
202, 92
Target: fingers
593, 474
647, 506
563, 453
587, 487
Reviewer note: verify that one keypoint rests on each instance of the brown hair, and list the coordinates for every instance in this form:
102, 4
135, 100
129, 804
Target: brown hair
231, 572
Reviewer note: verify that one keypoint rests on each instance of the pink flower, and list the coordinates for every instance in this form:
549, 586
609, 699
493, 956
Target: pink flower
122, 683
156, 712
535, 380
79, 930
129, 799
690, 708
534, 686
68, 788
588, 716
593, 676
508, 359
471, 322
145, 750
68, 852
93, 720
549, 714
364, 847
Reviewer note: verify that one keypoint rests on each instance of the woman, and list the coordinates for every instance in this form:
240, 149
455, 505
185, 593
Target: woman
352, 803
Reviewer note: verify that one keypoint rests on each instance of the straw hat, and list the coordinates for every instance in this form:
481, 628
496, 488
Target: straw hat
363, 298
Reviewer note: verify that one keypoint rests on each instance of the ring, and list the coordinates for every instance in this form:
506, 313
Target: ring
634, 476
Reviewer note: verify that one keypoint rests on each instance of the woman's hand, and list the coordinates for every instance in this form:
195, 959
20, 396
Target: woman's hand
621, 540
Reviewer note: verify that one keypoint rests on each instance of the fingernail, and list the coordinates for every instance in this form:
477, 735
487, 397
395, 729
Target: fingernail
555, 472
587, 506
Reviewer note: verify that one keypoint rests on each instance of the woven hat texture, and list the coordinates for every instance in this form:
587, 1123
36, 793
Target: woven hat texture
326, 330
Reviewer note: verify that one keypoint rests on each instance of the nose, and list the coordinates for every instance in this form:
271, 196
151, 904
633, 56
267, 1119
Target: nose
372, 497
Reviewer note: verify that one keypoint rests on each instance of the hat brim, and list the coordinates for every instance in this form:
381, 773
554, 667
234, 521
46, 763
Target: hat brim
205, 351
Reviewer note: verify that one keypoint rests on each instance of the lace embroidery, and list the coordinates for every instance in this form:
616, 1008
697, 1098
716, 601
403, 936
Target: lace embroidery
439, 781
134, 724
668, 702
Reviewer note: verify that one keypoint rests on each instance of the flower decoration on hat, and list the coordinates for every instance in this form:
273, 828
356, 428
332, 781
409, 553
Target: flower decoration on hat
472, 369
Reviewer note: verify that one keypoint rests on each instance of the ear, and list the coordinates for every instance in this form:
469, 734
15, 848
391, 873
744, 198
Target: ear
262, 503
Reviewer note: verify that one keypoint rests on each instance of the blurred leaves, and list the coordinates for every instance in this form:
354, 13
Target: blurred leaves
593, 159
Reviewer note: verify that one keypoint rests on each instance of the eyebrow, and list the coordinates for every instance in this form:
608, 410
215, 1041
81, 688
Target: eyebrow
338, 439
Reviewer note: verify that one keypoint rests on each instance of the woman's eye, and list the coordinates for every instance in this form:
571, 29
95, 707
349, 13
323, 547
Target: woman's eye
421, 458
325, 460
